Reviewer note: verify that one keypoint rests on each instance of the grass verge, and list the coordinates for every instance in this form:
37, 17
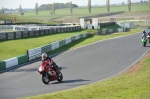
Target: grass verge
13, 48
133, 85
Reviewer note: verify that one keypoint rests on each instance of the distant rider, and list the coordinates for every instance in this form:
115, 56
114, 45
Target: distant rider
144, 35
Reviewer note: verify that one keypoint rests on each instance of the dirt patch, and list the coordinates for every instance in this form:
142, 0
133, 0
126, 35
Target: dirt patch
142, 18
137, 66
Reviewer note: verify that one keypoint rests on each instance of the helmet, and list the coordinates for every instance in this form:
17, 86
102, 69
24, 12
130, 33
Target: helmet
44, 56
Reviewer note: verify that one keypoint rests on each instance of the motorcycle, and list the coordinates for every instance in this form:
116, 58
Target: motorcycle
144, 41
48, 74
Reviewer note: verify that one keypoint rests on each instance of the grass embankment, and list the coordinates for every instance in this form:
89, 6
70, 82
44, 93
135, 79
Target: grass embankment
134, 84
13, 48
18, 18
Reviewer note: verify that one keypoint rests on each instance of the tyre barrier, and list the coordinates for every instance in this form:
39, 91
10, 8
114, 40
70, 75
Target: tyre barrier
103, 32
31, 33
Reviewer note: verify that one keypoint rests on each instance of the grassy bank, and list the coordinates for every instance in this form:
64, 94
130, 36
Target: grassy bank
134, 84
13, 48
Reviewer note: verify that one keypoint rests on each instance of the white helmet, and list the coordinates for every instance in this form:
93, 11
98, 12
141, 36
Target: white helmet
44, 56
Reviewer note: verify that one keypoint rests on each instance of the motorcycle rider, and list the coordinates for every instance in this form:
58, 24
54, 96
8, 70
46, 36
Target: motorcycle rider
144, 35
50, 63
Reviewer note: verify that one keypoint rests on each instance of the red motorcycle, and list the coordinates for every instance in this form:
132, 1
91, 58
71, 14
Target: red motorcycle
48, 74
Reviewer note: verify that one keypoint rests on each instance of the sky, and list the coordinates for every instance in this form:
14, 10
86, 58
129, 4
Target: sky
13, 4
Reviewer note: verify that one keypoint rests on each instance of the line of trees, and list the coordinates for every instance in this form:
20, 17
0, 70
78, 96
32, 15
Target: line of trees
69, 5
57, 6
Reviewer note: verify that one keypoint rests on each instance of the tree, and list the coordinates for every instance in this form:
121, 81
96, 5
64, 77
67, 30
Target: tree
20, 9
2, 10
108, 5
89, 6
149, 3
70, 4
53, 8
129, 5
36, 8
57, 6
141, 1
123, 3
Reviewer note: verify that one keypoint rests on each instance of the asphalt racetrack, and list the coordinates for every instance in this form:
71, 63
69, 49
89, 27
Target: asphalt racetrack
81, 66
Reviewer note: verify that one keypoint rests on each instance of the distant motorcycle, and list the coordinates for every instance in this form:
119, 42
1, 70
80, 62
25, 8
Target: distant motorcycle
144, 41
48, 74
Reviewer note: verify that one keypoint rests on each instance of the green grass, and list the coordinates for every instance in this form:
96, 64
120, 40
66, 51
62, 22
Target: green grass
18, 18
82, 12
64, 14
134, 85
12, 48
115, 26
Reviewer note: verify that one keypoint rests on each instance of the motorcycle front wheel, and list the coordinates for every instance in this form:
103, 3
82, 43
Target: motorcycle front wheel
144, 44
60, 77
45, 78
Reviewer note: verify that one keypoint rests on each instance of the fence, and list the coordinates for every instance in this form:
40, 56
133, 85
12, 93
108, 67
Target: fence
108, 31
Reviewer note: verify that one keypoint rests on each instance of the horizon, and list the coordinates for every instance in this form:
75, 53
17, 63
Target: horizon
26, 5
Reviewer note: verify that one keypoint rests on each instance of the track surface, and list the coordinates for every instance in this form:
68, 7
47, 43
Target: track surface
81, 66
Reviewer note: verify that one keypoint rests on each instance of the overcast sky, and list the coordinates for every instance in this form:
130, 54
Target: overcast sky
31, 3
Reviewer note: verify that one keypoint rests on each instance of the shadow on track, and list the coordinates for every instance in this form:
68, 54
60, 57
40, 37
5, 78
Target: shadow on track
70, 81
